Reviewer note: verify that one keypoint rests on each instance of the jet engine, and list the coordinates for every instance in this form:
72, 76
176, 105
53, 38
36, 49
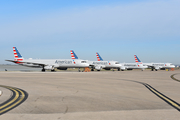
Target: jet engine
129, 69
107, 68
122, 68
62, 68
98, 68
157, 68
49, 67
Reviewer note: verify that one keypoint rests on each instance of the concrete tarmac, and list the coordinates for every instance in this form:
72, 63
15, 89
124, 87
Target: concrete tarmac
92, 96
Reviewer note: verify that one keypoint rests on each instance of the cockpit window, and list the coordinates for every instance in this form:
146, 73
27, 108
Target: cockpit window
116, 62
83, 61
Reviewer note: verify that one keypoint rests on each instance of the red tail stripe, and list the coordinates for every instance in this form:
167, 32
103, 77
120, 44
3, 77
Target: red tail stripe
19, 59
98, 57
19, 62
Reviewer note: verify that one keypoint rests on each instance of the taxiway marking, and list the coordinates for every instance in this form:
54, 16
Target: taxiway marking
172, 76
160, 95
163, 97
17, 98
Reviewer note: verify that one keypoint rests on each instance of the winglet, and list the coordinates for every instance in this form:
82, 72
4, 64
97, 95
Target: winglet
73, 55
99, 57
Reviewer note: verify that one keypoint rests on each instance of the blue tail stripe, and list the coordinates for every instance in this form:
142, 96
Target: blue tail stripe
138, 59
100, 57
74, 55
19, 55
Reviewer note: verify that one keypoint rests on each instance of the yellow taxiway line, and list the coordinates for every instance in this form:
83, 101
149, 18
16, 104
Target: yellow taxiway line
172, 76
168, 100
16, 99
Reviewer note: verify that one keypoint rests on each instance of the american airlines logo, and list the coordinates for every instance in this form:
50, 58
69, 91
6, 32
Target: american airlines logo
158, 64
100, 63
63, 62
129, 65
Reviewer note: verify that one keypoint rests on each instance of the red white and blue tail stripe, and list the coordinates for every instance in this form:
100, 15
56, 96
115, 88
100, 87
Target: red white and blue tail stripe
99, 57
17, 55
137, 59
73, 55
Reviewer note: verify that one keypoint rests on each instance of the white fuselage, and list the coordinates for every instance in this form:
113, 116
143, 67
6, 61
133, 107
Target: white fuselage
133, 66
159, 65
54, 63
104, 64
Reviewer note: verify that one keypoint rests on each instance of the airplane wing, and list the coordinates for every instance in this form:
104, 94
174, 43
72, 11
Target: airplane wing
150, 66
11, 61
154, 67
97, 67
40, 64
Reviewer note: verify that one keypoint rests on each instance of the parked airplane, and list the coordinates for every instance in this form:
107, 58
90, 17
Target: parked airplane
48, 64
125, 66
131, 66
155, 66
100, 64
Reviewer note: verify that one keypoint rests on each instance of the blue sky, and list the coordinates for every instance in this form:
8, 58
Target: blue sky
117, 29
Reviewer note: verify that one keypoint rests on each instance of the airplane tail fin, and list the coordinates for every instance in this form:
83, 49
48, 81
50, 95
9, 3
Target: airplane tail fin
137, 60
17, 55
73, 55
99, 57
